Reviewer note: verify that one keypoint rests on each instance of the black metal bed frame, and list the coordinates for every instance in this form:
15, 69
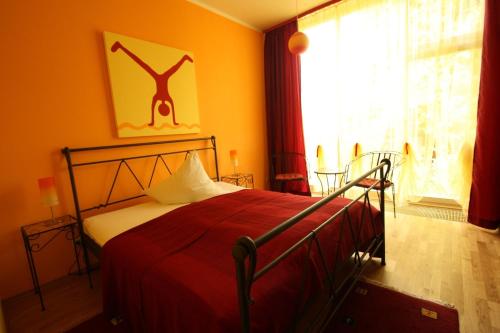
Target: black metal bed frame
245, 251
159, 157
245, 254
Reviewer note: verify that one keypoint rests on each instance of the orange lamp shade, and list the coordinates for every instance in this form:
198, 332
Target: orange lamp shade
48, 193
298, 43
233, 154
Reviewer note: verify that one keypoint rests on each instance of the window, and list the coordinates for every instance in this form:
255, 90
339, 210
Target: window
385, 72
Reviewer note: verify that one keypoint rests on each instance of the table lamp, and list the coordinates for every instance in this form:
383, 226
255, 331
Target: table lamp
48, 194
233, 154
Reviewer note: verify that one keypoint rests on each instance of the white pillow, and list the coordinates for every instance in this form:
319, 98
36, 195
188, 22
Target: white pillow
228, 187
189, 183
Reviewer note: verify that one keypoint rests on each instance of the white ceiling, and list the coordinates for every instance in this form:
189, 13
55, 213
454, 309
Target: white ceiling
258, 14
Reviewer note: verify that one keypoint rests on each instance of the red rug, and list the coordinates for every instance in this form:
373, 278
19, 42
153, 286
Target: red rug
369, 308
374, 309
98, 324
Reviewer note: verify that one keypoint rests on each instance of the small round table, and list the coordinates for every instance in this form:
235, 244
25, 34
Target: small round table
326, 174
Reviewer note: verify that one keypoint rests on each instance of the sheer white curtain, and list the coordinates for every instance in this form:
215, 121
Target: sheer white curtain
383, 73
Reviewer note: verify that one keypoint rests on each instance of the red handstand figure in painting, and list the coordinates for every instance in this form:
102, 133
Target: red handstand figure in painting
161, 83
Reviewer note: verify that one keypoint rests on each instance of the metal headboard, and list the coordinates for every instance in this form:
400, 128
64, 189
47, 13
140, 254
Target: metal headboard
159, 157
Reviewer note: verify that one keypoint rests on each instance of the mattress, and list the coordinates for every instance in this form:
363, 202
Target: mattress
101, 228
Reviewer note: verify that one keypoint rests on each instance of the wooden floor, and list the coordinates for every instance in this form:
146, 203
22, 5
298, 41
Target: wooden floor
68, 301
452, 262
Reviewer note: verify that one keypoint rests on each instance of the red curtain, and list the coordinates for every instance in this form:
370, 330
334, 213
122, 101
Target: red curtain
484, 206
283, 106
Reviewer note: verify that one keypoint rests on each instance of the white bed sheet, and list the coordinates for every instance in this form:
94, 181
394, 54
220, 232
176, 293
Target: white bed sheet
103, 227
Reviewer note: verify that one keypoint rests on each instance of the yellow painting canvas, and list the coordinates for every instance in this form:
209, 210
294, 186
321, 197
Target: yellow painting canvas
153, 87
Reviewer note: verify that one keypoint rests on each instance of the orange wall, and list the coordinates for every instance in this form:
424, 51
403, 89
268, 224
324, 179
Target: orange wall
54, 92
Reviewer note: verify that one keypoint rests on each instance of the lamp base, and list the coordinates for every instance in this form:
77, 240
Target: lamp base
52, 221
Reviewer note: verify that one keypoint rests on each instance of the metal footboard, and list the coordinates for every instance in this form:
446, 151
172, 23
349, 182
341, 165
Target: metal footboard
339, 279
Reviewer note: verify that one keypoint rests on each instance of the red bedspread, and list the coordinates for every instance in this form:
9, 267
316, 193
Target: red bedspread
176, 272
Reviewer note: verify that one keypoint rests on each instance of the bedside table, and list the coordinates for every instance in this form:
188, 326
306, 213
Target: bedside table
239, 179
31, 234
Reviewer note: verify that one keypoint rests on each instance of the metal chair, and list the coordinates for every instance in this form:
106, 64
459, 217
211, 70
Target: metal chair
285, 168
369, 160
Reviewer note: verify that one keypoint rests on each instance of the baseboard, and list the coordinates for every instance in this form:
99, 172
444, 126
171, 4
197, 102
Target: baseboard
438, 202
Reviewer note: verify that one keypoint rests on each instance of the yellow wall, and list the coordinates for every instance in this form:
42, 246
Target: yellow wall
54, 92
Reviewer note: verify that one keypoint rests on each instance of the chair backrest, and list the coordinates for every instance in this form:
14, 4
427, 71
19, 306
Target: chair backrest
369, 160
287, 162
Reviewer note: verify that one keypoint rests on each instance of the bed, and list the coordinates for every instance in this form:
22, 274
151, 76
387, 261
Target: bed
223, 258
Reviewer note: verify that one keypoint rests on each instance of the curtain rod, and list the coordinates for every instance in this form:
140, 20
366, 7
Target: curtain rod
307, 12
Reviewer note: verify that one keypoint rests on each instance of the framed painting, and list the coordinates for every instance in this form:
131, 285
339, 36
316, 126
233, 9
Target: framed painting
153, 87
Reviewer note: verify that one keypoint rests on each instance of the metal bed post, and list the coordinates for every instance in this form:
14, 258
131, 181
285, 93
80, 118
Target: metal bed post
245, 248
383, 177
67, 153
212, 139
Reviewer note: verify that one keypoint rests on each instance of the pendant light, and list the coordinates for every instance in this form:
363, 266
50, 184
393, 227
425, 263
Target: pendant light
298, 42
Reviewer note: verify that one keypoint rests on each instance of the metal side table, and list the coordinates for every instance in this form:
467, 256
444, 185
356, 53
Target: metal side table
32, 243
332, 178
